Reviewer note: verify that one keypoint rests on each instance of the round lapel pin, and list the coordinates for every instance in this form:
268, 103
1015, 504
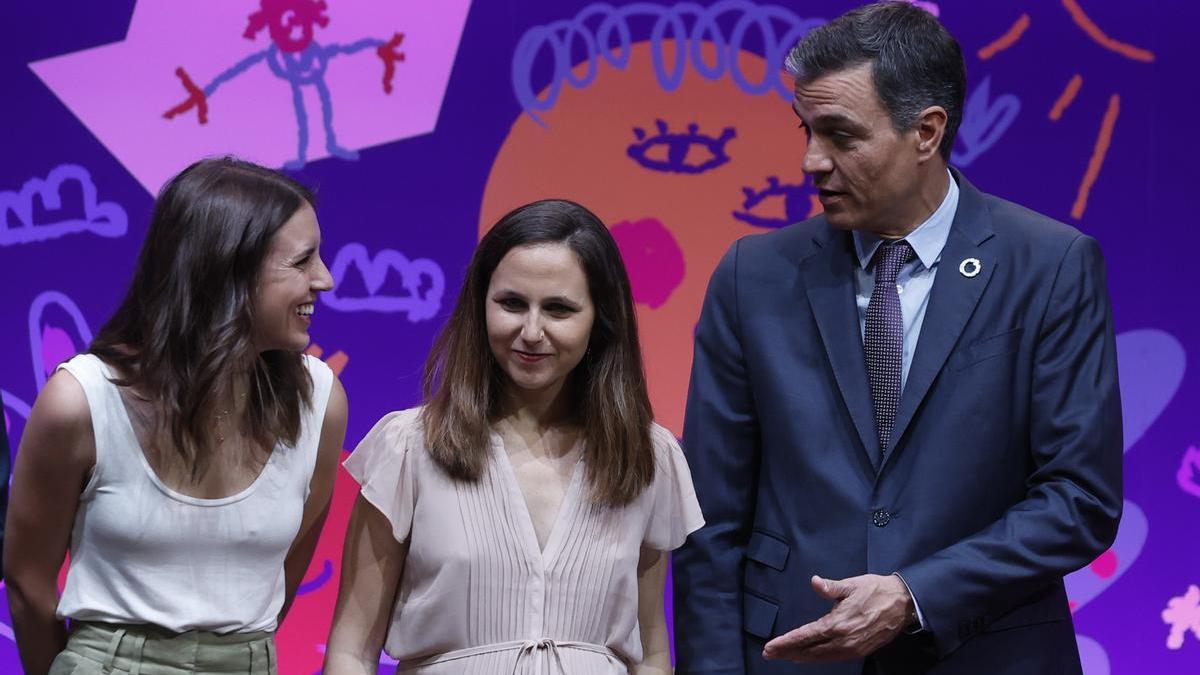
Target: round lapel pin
970, 268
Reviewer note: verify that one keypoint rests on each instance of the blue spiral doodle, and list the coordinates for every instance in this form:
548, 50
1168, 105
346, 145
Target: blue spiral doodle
604, 32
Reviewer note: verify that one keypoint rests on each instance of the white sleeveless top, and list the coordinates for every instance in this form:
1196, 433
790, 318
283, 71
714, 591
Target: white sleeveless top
143, 553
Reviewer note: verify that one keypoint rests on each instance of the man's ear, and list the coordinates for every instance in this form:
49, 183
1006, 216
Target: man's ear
930, 126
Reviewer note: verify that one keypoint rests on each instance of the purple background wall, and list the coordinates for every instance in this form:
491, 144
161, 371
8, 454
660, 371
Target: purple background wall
499, 102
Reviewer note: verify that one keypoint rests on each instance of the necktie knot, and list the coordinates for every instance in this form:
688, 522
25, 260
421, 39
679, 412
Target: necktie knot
889, 258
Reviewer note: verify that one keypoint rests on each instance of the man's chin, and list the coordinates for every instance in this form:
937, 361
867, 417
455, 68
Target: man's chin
840, 220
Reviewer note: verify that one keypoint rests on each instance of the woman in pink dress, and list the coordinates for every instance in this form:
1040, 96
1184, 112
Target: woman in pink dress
518, 521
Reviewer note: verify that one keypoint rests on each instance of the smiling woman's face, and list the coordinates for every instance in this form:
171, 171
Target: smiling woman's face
539, 317
291, 277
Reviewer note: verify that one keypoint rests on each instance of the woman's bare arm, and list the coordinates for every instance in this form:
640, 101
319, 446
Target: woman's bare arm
56, 457
372, 562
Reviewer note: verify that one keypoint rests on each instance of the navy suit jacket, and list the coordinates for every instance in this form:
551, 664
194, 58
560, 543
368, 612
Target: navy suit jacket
1002, 475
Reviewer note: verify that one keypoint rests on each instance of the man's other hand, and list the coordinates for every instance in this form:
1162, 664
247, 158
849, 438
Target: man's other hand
869, 611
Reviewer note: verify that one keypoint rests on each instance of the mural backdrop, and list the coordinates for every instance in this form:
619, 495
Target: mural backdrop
420, 122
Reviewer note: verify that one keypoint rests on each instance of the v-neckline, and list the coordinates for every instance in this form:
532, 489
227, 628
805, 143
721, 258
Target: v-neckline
519, 502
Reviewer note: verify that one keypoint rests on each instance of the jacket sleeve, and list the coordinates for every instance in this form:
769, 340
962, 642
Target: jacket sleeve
721, 442
1072, 504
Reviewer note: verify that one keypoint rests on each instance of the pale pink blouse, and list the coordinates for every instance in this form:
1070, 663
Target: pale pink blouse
478, 594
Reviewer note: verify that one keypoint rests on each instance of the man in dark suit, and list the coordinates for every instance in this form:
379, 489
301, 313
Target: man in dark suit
903, 422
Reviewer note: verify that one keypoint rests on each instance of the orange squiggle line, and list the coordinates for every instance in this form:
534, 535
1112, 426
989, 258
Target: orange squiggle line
1066, 97
1094, 32
1007, 40
1103, 140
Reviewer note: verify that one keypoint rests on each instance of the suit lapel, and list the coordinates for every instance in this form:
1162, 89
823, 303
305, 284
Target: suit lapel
952, 301
829, 283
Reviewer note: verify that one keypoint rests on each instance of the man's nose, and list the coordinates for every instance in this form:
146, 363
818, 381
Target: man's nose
816, 159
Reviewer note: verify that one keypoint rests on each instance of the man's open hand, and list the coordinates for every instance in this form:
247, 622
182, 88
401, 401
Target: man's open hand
869, 611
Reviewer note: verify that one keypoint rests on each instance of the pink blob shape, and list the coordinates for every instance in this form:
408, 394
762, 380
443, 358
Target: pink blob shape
1106, 565
652, 257
56, 348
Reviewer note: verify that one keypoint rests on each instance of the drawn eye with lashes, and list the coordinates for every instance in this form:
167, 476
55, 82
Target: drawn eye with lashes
675, 152
793, 202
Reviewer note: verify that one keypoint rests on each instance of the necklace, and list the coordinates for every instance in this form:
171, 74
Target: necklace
220, 421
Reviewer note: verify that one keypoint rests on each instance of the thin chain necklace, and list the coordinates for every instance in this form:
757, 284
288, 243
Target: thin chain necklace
220, 421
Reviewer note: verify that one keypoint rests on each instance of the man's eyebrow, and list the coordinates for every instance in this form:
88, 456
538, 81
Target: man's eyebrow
828, 119
837, 119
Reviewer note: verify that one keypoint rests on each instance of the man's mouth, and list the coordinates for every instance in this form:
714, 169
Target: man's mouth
305, 310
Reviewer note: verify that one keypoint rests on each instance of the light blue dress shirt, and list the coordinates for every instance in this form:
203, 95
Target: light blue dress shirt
915, 280
913, 284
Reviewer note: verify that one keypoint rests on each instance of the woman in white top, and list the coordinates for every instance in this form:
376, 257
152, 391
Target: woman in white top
187, 459
518, 522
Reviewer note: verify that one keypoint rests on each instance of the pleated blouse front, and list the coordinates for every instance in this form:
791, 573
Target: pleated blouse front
478, 594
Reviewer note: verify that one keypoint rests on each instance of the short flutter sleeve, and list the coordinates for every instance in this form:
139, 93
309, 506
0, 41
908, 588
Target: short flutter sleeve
674, 511
383, 465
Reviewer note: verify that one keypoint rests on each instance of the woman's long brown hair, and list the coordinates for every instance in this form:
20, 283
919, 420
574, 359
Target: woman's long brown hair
463, 382
183, 333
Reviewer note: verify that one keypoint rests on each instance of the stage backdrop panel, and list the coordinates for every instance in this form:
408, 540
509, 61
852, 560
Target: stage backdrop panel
421, 122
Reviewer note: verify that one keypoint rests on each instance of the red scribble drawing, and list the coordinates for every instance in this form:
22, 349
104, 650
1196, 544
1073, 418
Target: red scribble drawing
1093, 31
1007, 40
1103, 140
1188, 475
1183, 614
295, 56
1066, 97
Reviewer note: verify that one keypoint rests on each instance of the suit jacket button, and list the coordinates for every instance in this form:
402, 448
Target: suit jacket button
881, 518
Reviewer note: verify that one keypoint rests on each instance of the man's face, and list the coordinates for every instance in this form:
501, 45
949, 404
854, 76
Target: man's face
865, 171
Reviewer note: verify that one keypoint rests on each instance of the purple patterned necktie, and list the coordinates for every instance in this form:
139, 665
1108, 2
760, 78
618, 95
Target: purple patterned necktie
883, 340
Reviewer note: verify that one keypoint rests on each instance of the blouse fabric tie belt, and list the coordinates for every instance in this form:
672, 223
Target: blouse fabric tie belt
530, 656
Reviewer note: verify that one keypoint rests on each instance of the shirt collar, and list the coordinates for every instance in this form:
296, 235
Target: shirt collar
927, 240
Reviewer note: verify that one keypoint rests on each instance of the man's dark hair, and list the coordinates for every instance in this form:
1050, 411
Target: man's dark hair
915, 61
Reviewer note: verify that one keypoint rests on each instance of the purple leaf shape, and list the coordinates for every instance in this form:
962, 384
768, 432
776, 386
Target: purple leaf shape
1151, 364
1092, 656
984, 122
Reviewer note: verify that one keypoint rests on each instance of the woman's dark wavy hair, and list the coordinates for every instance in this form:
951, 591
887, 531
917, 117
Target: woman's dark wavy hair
463, 382
183, 334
